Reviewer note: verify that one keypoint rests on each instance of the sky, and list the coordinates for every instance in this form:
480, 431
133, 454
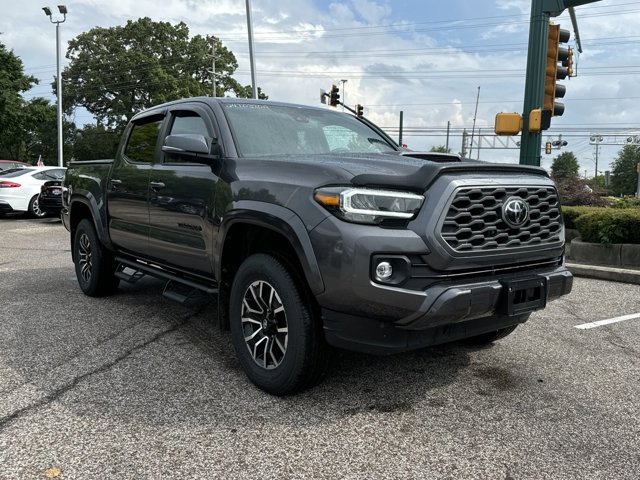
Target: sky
432, 60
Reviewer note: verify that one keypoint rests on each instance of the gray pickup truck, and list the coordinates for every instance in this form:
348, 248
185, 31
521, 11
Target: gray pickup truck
315, 230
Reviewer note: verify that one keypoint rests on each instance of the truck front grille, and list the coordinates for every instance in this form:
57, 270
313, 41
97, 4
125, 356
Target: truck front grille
474, 220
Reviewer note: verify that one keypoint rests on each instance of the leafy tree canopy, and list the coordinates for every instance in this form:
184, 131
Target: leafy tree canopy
115, 72
13, 81
565, 167
95, 142
623, 168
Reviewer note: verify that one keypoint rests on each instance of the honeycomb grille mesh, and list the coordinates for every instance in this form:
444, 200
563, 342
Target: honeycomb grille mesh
474, 219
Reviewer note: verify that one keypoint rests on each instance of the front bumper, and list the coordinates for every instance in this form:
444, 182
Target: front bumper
447, 313
432, 306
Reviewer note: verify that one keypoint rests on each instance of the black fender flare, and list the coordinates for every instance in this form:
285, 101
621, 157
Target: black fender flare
98, 215
280, 220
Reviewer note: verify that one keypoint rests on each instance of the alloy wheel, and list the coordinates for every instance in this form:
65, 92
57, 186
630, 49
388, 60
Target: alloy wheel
264, 324
35, 208
84, 252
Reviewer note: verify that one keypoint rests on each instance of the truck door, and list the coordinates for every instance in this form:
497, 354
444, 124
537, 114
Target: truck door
128, 188
181, 199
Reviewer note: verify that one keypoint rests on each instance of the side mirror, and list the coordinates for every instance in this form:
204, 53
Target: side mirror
192, 147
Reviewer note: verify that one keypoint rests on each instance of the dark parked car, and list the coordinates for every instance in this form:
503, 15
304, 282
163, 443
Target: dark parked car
50, 199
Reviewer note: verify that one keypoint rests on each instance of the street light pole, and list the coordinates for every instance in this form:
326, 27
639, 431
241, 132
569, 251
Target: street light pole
63, 11
252, 59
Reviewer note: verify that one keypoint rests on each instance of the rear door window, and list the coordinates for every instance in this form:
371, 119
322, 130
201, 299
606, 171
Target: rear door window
143, 139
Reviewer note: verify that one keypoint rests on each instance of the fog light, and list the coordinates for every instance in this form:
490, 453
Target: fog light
384, 271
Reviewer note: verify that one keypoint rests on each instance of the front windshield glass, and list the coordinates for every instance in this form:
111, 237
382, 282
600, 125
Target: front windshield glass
266, 130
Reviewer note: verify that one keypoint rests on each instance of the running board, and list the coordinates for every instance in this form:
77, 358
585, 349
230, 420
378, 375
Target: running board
146, 269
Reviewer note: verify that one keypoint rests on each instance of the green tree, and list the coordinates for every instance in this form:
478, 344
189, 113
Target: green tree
565, 167
13, 81
95, 142
115, 72
623, 169
440, 149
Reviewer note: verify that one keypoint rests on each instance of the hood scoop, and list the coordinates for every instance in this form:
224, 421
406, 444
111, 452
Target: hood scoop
433, 156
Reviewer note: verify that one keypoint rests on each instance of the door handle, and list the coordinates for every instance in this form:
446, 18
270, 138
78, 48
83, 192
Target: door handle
115, 183
157, 185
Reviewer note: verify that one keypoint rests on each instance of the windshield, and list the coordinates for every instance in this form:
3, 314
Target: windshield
265, 130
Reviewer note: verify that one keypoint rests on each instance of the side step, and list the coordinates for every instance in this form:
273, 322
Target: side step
141, 269
183, 294
129, 277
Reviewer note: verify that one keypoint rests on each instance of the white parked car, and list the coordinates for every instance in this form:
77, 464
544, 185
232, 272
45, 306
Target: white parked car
20, 187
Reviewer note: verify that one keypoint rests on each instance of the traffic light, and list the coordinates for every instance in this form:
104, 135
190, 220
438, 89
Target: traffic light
556, 53
547, 148
359, 110
568, 63
334, 96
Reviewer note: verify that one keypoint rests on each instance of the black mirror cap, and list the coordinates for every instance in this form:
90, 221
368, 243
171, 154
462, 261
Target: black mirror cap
194, 147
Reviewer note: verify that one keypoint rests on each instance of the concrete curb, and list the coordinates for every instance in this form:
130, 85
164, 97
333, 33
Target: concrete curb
617, 255
605, 273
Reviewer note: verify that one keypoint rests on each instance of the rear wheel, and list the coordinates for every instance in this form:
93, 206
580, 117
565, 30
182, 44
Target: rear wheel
34, 208
279, 342
95, 266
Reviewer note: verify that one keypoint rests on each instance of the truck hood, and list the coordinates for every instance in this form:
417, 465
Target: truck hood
384, 170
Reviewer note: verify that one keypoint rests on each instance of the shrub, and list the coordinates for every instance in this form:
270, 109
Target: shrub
625, 202
610, 226
570, 214
577, 192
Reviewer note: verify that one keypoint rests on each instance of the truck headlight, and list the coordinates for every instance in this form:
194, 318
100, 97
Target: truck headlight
366, 205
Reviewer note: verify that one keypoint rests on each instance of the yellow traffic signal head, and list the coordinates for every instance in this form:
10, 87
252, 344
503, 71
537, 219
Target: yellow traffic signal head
556, 53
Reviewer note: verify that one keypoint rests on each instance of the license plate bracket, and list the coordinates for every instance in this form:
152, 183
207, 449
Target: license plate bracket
523, 295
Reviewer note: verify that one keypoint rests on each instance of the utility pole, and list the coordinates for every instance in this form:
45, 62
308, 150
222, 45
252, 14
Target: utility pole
473, 129
597, 139
252, 59
448, 128
401, 123
463, 153
344, 93
213, 40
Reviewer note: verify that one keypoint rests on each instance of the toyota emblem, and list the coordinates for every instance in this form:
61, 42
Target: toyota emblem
515, 212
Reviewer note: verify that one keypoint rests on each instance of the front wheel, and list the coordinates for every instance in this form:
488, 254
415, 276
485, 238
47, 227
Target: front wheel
95, 266
279, 342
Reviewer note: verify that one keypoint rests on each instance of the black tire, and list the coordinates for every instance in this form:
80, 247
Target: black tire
34, 208
279, 342
95, 266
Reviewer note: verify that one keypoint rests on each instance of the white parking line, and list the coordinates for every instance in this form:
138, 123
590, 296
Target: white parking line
599, 323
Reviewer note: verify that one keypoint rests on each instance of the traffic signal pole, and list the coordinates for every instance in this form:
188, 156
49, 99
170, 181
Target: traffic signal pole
530, 142
541, 11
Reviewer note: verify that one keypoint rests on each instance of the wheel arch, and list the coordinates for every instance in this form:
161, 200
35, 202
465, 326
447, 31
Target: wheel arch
257, 227
82, 207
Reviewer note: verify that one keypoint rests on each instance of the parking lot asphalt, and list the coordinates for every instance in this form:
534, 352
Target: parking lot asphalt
137, 387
